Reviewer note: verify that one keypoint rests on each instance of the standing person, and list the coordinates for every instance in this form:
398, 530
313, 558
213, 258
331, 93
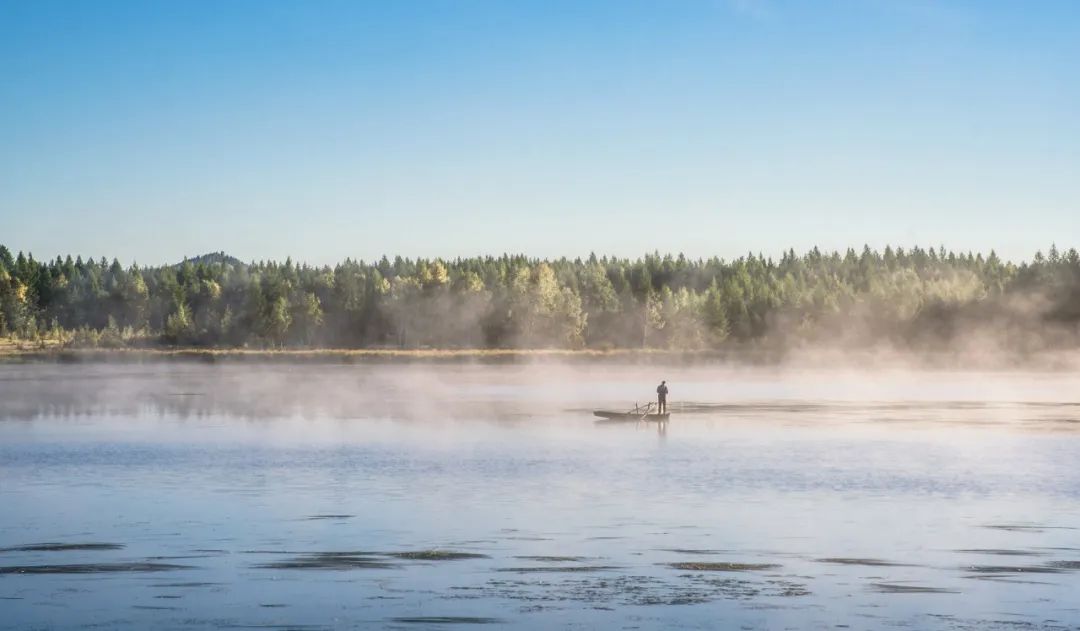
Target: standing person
661, 398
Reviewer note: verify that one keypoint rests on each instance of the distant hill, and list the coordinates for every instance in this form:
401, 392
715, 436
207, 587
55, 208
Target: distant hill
213, 257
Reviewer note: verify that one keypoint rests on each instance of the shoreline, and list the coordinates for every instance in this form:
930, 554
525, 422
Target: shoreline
359, 355
808, 358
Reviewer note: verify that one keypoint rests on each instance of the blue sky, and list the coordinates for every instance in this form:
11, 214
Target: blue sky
153, 130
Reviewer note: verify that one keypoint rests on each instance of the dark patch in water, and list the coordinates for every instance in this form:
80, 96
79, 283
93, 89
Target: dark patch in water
552, 559
1012, 569
625, 590
691, 551
329, 561
1025, 528
155, 608
706, 566
1065, 565
62, 547
1001, 552
91, 568
446, 620
998, 578
1014, 528
558, 568
283, 627
869, 562
789, 588
316, 517
176, 585
739, 589
272, 605
893, 588
436, 555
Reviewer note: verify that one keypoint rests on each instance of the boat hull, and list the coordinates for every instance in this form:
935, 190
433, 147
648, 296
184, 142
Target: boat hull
630, 416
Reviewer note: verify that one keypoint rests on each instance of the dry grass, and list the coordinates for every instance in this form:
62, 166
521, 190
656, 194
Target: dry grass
11, 349
11, 346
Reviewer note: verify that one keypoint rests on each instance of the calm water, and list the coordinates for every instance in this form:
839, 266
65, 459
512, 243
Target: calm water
333, 497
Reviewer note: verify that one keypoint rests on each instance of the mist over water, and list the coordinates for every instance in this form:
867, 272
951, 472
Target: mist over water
420, 495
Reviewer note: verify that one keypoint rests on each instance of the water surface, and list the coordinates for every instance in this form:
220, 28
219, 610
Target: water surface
191, 496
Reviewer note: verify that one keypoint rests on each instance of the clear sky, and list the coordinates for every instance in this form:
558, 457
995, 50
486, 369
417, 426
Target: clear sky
320, 129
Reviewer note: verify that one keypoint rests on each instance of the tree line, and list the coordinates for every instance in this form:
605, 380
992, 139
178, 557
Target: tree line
915, 297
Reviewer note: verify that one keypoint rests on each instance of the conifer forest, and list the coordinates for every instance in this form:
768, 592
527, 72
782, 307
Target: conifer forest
916, 298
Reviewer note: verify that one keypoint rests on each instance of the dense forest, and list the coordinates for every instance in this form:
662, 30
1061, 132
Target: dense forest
922, 298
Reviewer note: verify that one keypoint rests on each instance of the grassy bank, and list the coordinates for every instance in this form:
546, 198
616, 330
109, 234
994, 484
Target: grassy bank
812, 358
24, 351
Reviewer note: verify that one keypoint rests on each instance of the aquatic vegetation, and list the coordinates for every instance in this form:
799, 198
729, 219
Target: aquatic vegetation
738, 588
557, 568
1004, 578
894, 588
445, 620
62, 547
329, 561
607, 591
1065, 565
1002, 552
1012, 569
707, 566
91, 568
435, 555
1015, 527
870, 562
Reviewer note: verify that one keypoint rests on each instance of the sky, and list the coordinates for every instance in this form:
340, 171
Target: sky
150, 131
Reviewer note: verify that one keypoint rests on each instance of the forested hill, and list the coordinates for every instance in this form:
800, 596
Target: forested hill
212, 258
914, 297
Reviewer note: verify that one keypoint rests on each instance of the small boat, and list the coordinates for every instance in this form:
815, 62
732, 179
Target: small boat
631, 416
637, 413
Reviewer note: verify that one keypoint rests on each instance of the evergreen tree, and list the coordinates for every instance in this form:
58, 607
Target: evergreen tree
904, 296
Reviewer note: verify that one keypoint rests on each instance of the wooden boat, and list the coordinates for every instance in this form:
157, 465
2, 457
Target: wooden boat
637, 413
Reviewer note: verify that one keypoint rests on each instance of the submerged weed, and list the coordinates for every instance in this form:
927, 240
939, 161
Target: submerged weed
62, 547
705, 566
329, 561
91, 568
435, 555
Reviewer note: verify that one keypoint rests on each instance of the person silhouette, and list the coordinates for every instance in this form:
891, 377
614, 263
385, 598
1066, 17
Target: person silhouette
661, 398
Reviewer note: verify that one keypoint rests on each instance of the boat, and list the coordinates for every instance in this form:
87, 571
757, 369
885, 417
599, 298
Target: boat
637, 413
631, 416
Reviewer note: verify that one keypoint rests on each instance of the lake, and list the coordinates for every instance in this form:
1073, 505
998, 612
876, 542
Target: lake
305, 496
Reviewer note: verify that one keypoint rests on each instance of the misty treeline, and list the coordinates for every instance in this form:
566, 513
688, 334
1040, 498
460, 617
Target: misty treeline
914, 297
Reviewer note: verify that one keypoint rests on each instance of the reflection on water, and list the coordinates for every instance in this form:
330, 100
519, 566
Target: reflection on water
328, 497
